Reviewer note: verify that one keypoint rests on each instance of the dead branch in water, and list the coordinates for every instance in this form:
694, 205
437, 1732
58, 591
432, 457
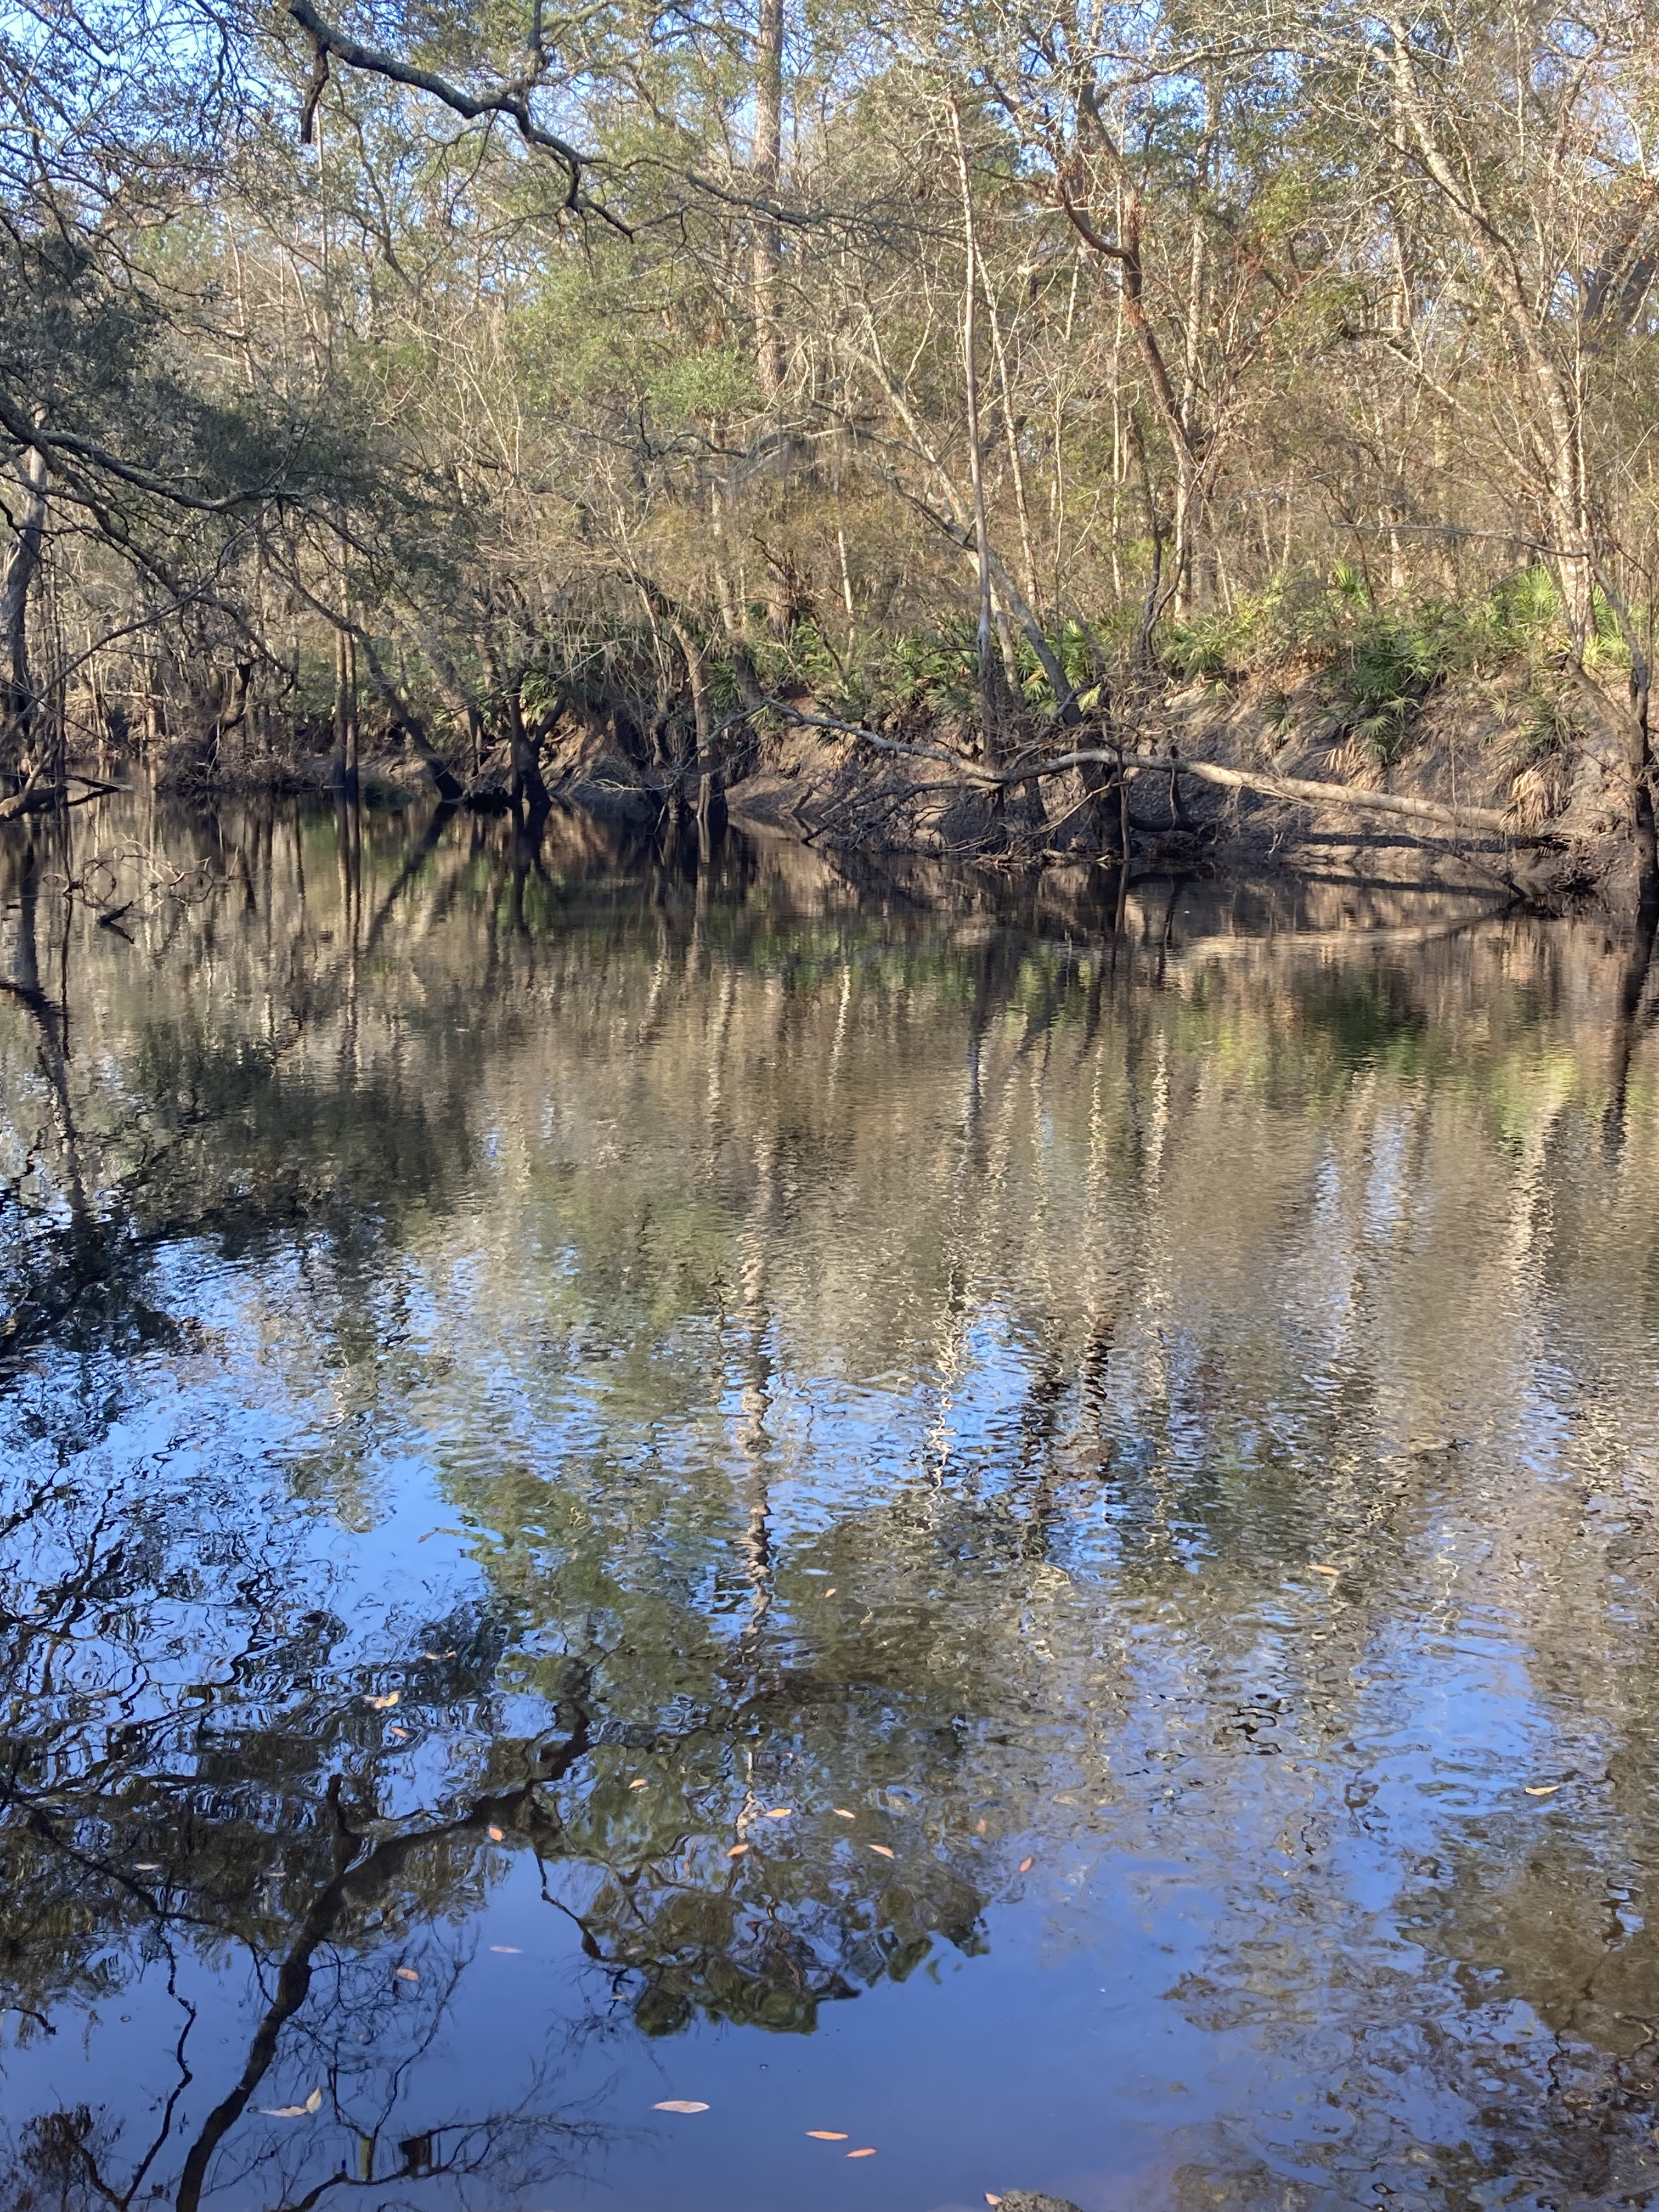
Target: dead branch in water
1479, 821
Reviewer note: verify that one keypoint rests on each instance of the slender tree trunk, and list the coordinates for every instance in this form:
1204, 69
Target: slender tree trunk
990, 701
342, 768
22, 565
702, 714
766, 165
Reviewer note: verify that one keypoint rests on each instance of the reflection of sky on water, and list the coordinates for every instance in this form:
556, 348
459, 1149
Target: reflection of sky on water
778, 1351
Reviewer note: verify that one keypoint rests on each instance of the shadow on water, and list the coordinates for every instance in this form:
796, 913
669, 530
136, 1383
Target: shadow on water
616, 1466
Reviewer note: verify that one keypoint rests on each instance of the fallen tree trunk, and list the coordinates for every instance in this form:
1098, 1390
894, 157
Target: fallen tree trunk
1478, 821
41, 797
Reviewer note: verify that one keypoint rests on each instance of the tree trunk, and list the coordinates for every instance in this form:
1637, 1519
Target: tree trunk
529, 792
766, 164
342, 767
17, 704
990, 701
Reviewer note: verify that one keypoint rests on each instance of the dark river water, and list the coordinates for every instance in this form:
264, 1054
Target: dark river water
1001, 1553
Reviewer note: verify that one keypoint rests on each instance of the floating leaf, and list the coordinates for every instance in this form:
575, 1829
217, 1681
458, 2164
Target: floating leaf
827, 2135
383, 1705
407, 1974
507, 1950
781, 1813
436, 1655
1025, 1865
398, 1735
992, 2200
736, 1850
641, 1783
1542, 1789
679, 2104
829, 1593
312, 2103
883, 1849
146, 1866
979, 1830
495, 1835
1327, 1570
842, 1813
868, 2153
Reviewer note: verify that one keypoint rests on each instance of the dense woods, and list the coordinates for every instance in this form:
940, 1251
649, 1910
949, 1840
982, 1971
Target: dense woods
429, 380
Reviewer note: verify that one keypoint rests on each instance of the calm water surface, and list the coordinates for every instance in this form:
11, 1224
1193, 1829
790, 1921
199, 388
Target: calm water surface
1033, 1550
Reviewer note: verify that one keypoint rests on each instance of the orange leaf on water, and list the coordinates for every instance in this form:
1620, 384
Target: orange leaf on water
383, 1705
883, 1849
679, 2104
869, 2152
1328, 1570
736, 1850
1025, 1865
1542, 1789
407, 1974
842, 1813
496, 1836
640, 1783
979, 1830
781, 1813
827, 2135
992, 2200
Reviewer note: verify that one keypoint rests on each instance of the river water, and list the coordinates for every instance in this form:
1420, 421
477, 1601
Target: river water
1025, 1543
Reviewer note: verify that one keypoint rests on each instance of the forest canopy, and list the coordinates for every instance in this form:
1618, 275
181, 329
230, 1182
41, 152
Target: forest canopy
448, 369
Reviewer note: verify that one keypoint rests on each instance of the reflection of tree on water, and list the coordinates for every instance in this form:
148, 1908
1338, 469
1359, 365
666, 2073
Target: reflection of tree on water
317, 1080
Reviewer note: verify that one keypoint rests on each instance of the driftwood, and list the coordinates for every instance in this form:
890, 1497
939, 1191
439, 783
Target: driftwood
1477, 821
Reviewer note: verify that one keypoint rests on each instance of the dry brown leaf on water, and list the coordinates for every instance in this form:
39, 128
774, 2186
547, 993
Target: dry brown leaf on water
979, 1830
383, 1705
679, 2104
736, 1850
827, 2135
869, 2152
1326, 1571
436, 1655
496, 1836
883, 1849
992, 2200
507, 1950
1025, 1865
781, 1813
842, 1813
1542, 1789
641, 1783
407, 1974
146, 1866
